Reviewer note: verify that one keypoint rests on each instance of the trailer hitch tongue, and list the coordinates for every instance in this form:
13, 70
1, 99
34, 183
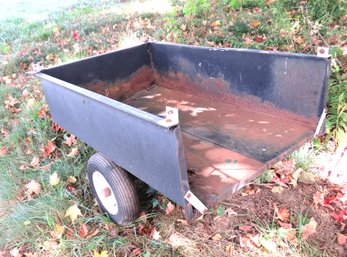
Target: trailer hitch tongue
193, 200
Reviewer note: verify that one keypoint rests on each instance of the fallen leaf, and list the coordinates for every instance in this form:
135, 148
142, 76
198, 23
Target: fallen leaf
57, 128
74, 152
277, 189
230, 212
47, 149
255, 23
169, 208
11, 102
246, 242
70, 140
341, 239
256, 240
136, 251
259, 39
72, 212
299, 40
307, 177
23, 167
75, 35
58, 231
229, 248
3, 151
101, 254
42, 113
279, 181
309, 229
32, 187
283, 214
72, 180
155, 234
338, 217
35, 162
217, 237
25, 93
83, 230
269, 245
54, 179
295, 176
245, 228
15, 252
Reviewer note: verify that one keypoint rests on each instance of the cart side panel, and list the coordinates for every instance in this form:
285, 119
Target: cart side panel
112, 66
128, 136
290, 82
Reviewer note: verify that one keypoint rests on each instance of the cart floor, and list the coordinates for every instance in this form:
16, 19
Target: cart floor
225, 144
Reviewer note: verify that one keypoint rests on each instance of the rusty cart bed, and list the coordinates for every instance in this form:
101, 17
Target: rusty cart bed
240, 111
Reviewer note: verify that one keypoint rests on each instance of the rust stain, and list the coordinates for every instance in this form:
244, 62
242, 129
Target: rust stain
122, 89
212, 173
255, 134
219, 90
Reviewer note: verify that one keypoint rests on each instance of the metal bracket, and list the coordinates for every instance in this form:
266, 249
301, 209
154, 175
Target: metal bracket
193, 200
171, 117
320, 122
323, 52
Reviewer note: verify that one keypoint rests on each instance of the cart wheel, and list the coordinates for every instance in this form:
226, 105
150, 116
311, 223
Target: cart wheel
113, 189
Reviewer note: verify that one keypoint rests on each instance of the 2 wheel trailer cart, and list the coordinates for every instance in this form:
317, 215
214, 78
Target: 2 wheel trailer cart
194, 123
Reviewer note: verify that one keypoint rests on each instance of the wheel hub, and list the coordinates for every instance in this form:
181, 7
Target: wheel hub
105, 193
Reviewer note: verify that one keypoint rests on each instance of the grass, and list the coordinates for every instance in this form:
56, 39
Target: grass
27, 222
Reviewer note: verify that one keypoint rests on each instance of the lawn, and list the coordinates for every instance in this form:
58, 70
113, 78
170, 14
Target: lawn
46, 206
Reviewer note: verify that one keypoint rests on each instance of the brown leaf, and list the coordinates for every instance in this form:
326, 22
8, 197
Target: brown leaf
47, 149
32, 188
72, 180
309, 229
169, 208
83, 230
74, 152
283, 214
229, 248
245, 228
338, 217
255, 23
42, 113
341, 239
58, 231
136, 251
70, 140
3, 151
35, 162
217, 237
23, 167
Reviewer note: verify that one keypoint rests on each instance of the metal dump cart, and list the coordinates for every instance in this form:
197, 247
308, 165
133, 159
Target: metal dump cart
194, 123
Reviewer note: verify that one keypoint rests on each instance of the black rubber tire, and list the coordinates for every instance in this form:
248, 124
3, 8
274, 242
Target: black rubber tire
121, 185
